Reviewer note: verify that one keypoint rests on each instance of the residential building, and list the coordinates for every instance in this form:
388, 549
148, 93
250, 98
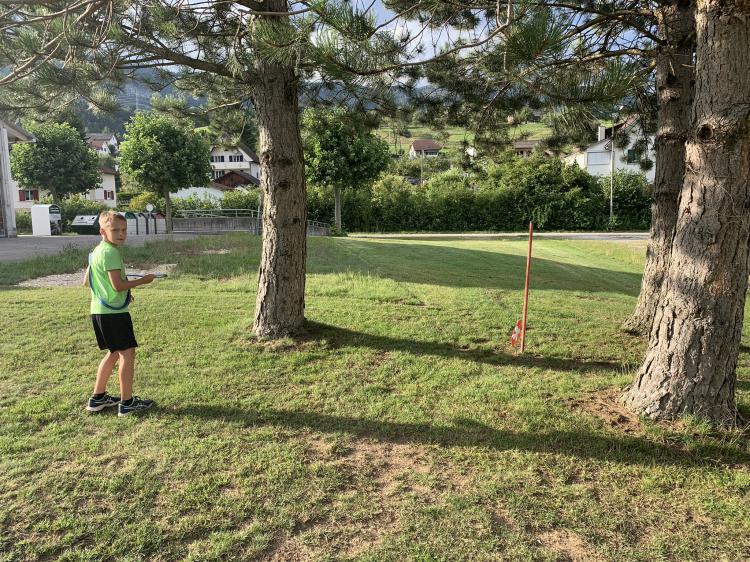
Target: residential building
9, 134
241, 159
524, 148
105, 144
236, 178
424, 147
599, 157
105, 193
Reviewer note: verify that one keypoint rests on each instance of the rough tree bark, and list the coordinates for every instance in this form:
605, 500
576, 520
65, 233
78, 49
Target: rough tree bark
694, 342
674, 85
168, 210
280, 304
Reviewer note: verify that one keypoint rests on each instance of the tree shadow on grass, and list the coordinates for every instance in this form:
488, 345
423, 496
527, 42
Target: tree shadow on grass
467, 433
464, 267
337, 337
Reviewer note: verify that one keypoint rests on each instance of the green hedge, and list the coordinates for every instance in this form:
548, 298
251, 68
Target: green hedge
76, 205
23, 222
231, 200
503, 197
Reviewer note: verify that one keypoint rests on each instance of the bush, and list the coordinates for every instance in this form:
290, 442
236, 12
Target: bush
76, 205
241, 200
501, 197
138, 202
397, 205
196, 202
23, 222
631, 201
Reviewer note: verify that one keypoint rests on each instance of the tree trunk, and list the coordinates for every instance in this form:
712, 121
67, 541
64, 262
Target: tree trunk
337, 208
674, 85
694, 342
280, 304
168, 210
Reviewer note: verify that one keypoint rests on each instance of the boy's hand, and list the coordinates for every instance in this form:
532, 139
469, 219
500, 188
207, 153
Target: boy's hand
146, 279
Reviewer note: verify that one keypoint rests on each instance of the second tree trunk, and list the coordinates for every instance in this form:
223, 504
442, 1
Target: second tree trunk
694, 342
674, 85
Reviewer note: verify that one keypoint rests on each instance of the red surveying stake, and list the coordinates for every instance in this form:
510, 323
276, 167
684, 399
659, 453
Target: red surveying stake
522, 323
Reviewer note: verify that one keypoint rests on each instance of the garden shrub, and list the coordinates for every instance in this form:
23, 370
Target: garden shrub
240, 200
23, 222
75, 205
632, 201
138, 202
502, 197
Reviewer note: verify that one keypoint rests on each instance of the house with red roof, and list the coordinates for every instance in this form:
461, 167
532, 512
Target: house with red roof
105, 144
424, 147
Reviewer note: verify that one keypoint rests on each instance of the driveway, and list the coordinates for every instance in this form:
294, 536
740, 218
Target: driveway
25, 247
611, 236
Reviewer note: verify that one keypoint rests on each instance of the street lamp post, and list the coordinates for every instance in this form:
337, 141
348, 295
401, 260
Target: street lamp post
612, 172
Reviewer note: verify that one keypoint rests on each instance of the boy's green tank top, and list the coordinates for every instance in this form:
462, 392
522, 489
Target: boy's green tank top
104, 258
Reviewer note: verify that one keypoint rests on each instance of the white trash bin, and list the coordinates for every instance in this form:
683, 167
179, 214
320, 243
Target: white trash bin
46, 220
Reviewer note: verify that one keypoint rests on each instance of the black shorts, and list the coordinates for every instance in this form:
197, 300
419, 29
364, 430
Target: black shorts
114, 331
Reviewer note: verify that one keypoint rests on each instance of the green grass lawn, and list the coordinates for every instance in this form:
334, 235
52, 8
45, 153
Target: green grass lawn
401, 427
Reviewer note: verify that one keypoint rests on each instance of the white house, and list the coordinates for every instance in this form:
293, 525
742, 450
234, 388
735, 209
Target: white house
240, 158
105, 193
105, 144
424, 147
597, 159
9, 134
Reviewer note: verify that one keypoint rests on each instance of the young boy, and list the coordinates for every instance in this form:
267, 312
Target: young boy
110, 296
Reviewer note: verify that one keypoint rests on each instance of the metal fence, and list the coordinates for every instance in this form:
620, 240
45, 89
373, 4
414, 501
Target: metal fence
231, 220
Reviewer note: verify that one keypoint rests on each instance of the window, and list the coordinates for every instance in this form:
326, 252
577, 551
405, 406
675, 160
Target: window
217, 158
236, 158
632, 156
28, 195
597, 158
109, 195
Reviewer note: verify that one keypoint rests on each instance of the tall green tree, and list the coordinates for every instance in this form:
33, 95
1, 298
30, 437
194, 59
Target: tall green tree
160, 154
340, 153
263, 52
59, 161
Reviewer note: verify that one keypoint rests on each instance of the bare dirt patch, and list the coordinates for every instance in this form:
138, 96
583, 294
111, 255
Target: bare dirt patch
68, 280
604, 404
207, 252
380, 477
568, 545
288, 550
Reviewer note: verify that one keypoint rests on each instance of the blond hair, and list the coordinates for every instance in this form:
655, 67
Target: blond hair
106, 218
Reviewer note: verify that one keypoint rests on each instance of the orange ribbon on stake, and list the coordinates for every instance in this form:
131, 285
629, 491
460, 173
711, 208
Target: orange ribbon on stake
516, 334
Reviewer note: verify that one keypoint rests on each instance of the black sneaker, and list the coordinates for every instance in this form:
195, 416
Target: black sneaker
137, 405
98, 404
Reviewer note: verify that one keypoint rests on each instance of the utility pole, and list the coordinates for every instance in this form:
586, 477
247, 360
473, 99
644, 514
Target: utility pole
612, 172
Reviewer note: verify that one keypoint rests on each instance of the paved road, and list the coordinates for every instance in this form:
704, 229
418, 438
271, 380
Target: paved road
612, 236
24, 247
